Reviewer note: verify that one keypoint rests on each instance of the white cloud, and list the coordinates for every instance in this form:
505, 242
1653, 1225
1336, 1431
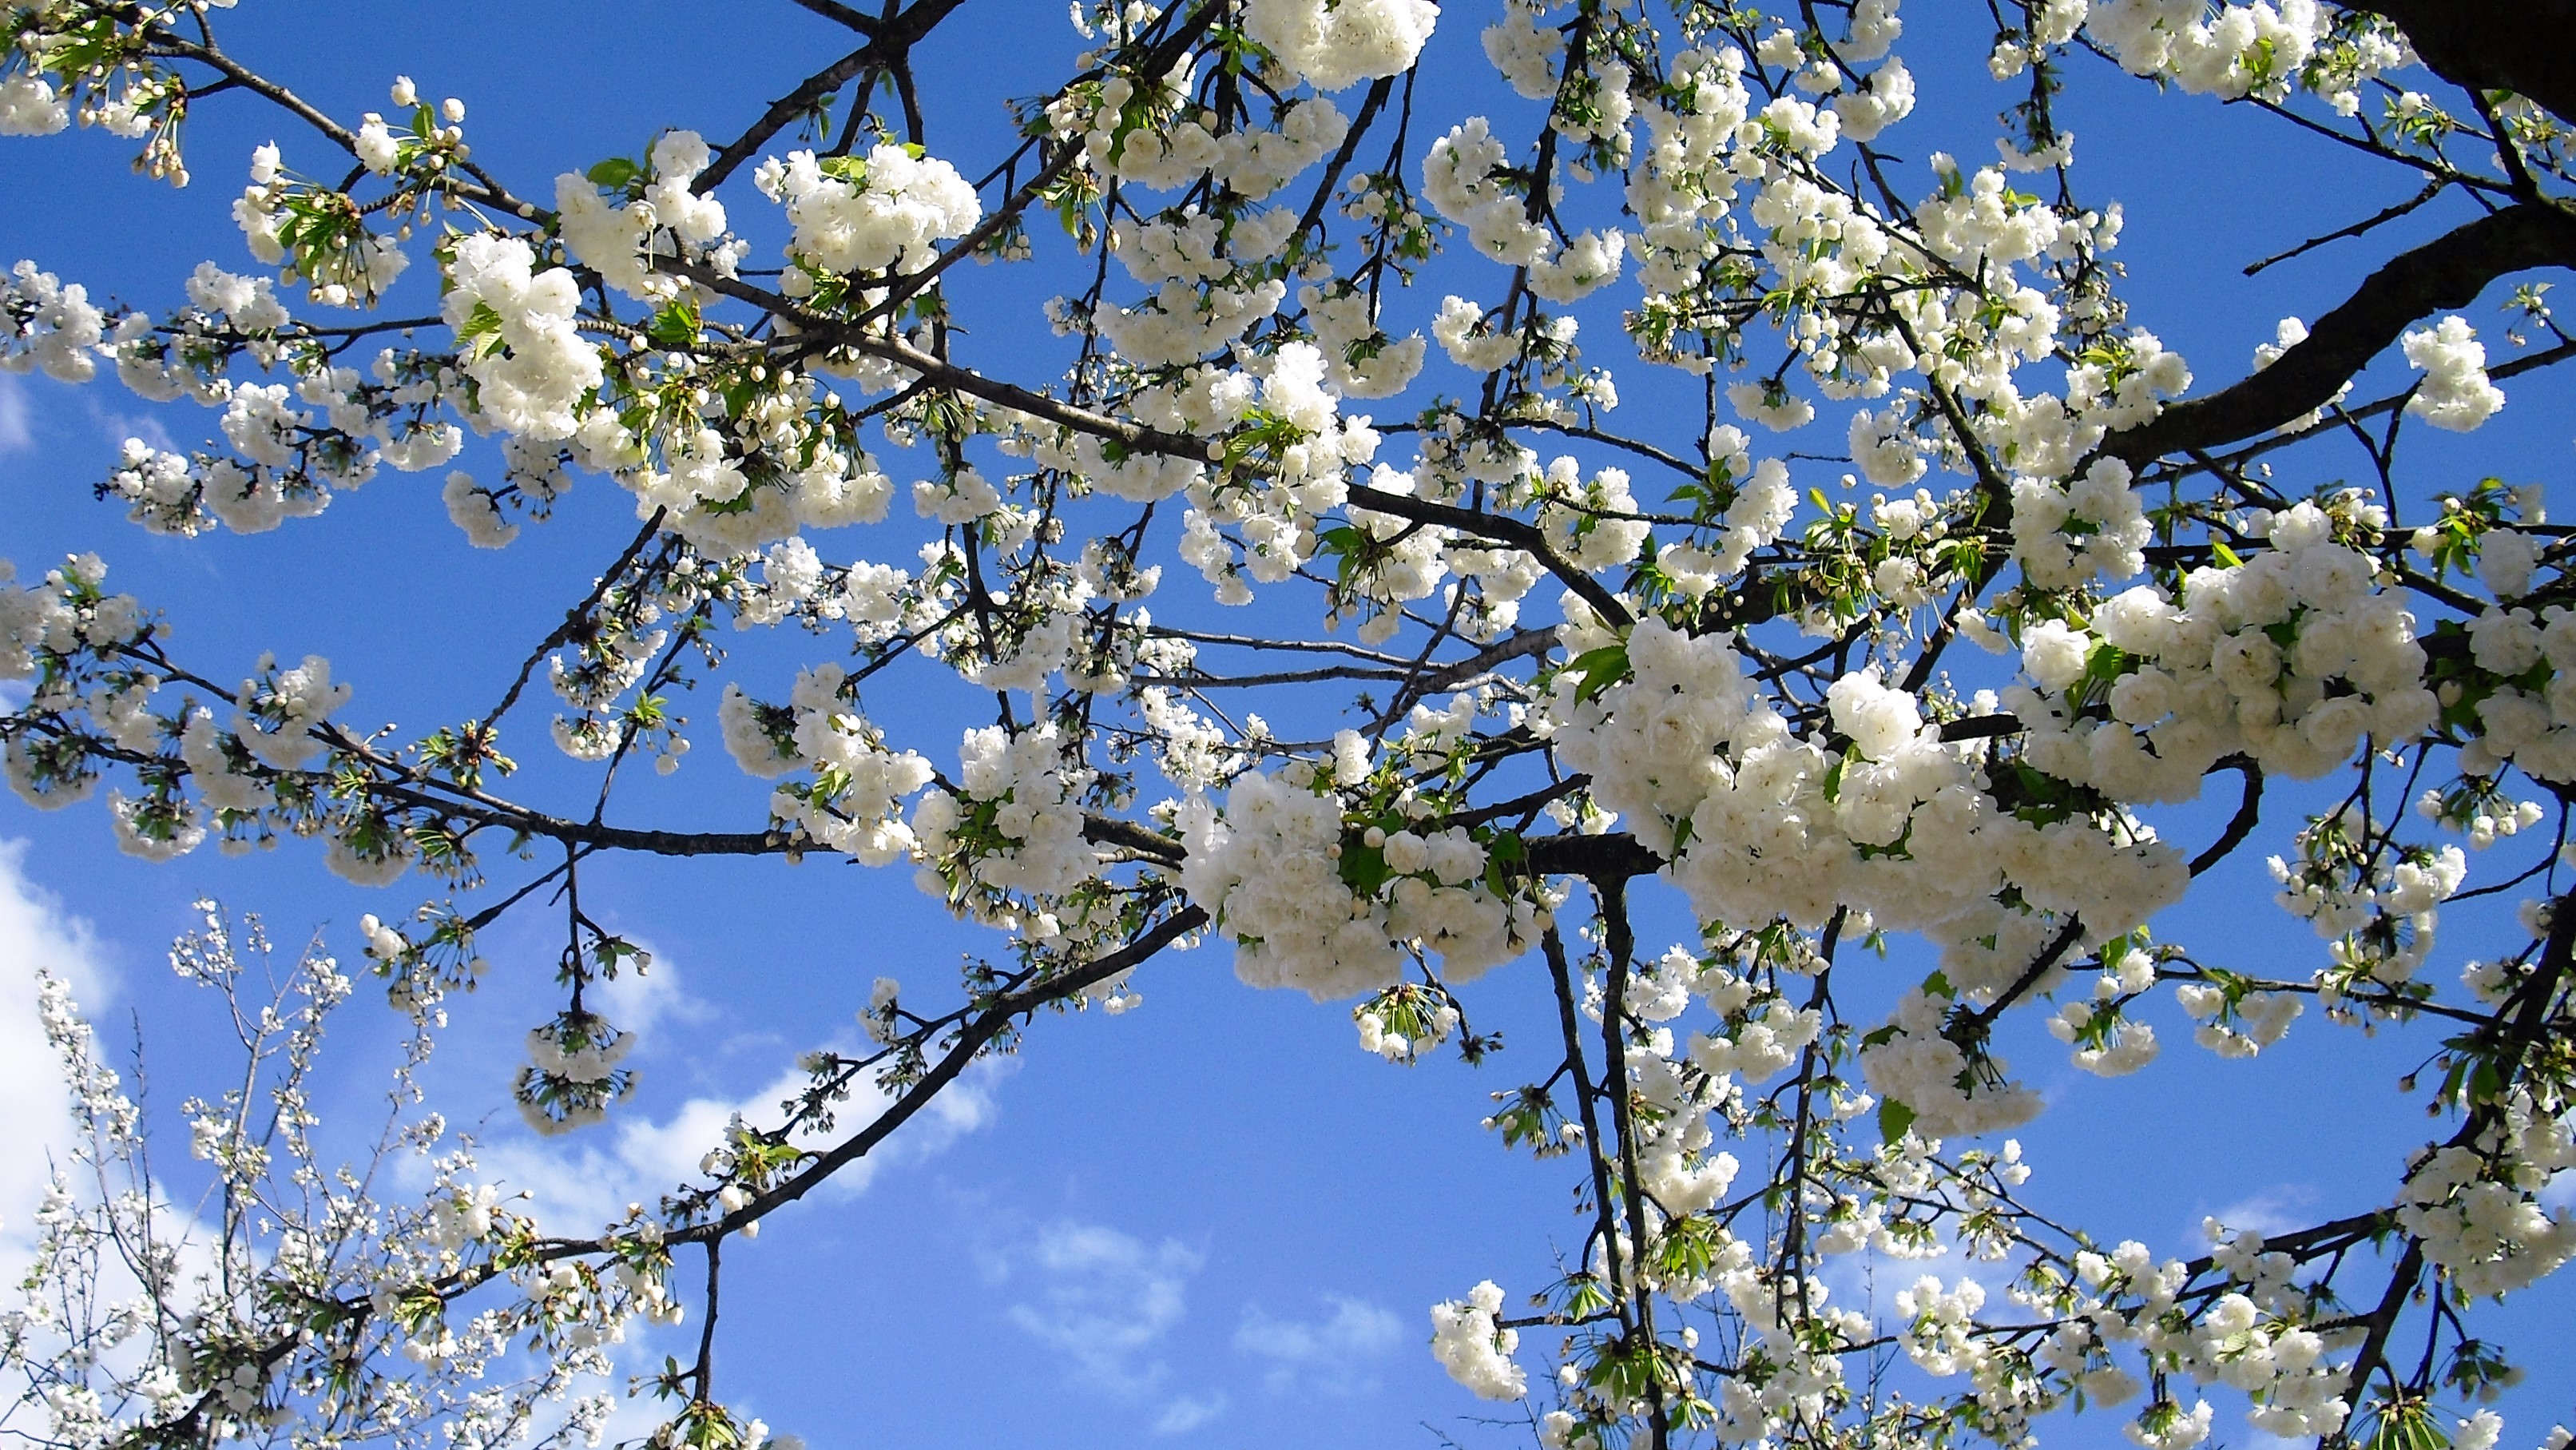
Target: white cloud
1189, 1412
1868, 1279
640, 1001
2274, 1211
17, 416
1330, 1356
1104, 1301
117, 427
577, 1184
35, 1118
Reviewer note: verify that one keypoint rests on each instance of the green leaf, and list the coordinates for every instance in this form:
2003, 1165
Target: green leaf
676, 325
480, 332
1600, 668
614, 174
2486, 1085
1363, 867
1894, 1118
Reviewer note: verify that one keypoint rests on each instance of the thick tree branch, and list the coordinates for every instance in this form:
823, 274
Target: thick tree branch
2446, 272
840, 14
1597, 858
2241, 825
2528, 48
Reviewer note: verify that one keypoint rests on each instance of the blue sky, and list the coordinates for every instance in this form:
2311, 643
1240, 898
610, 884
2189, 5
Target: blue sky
1212, 1220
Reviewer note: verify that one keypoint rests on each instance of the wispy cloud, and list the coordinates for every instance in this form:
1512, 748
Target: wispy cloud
1104, 1301
1334, 1355
35, 935
1189, 1412
17, 416
2272, 1212
116, 427
641, 1001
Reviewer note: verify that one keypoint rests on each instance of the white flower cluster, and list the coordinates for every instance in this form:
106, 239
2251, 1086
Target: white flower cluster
572, 1074
2237, 1024
526, 356
2455, 393
2186, 685
2253, 1337
1591, 523
246, 304
2297, 1392
2064, 537
1761, 509
1195, 310
1267, 864
1681, 179
290, 458
885, 212
1796, 1328
2232, 51
1364, 361
1014, 823
476, 512
2107, 1042
1461, 178
622, 243
1331, 44
874, 601
279, 711
1675, 1138
341, 266
2476, 1205
725, 508
1274, 517
2370, 897
1526, 52
29, 106
1151, 136
1938, 1321
1476, 1353
853, 804
67, 614
2535, 730
1759, 823
1949, 1095
49, 324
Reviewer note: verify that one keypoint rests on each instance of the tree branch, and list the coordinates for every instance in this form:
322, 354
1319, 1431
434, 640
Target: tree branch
2522, 48
2446, 272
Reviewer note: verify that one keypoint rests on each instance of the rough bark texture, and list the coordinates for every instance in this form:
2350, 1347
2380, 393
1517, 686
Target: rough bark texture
2527, 47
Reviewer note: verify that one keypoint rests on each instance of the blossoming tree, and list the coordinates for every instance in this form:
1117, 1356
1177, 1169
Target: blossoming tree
1538, 664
